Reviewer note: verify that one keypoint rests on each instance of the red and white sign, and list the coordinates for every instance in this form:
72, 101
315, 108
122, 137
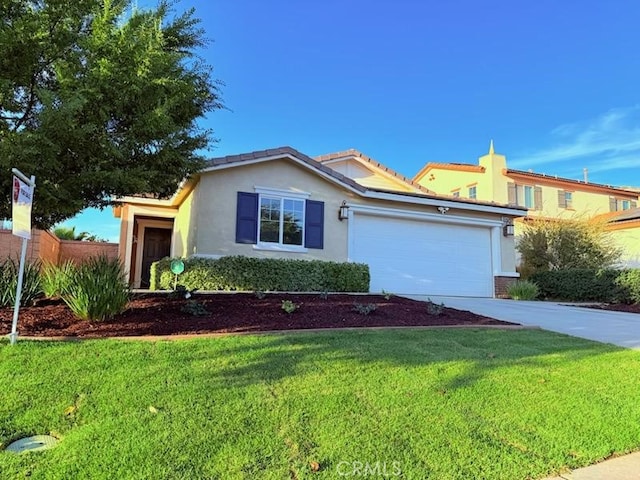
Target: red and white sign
21, 208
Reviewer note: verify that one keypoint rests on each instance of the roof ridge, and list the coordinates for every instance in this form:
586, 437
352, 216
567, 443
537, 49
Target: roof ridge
571, 180
353, 152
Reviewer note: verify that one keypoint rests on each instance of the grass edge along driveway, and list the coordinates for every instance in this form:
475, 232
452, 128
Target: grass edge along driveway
409, 404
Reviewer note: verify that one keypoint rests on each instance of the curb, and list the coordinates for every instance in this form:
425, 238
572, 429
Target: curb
192, 336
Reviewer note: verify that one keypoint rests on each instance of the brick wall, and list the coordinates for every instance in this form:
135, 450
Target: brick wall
76, 250
47, 247
10, 245
502, 284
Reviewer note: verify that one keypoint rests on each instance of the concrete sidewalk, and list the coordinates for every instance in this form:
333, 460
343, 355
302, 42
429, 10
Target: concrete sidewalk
620, 468
619, 328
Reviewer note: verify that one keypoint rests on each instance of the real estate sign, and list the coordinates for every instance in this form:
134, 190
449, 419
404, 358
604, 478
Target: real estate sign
21, 208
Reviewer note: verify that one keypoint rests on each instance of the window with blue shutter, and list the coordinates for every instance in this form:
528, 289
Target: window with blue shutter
247, 218
314, 224
273, 221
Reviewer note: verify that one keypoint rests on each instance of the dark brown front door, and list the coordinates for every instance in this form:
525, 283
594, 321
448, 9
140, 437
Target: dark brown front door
157, 245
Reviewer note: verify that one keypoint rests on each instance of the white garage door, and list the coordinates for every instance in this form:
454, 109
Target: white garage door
418, 257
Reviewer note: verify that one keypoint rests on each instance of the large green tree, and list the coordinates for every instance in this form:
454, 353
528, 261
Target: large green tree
99, 99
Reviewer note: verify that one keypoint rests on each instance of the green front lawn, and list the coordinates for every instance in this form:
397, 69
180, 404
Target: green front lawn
429, 403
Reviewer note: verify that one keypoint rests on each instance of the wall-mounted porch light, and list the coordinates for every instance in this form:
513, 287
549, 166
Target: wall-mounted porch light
509, 229
343, 212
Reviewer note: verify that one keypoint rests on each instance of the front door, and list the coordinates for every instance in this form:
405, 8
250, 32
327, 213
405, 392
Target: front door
157, 245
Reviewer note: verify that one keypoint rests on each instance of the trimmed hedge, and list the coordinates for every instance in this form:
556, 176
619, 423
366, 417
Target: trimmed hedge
611, 286
262, 274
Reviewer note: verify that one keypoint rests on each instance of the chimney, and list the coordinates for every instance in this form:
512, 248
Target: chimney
585, 172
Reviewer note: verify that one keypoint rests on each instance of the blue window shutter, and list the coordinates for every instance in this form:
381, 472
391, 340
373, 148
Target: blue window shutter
314, 224
247, 218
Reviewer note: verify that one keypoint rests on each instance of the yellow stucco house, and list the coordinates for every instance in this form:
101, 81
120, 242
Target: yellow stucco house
544, 196
340, 207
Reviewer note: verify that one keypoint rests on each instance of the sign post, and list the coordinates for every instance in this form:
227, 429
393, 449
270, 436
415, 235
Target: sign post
21, 220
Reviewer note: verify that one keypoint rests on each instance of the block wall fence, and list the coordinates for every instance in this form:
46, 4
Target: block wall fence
46, 247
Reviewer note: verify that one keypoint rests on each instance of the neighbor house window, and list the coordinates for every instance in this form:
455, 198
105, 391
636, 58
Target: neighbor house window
565, 199
619, 204
281, 220
472, 192
528, 196
456, 193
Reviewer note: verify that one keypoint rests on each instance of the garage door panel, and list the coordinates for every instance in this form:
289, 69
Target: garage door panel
410, 256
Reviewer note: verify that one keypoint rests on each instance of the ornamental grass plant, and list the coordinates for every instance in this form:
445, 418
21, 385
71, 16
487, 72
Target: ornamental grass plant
97, 289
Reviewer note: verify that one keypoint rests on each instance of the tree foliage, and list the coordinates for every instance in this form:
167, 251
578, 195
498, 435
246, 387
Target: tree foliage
69, 233
99, 99
565, 244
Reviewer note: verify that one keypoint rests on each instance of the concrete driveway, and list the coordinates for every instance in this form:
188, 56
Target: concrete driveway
619, 328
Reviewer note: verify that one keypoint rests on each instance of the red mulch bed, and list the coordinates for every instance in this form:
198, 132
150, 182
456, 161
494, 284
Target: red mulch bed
159, 314
617, 307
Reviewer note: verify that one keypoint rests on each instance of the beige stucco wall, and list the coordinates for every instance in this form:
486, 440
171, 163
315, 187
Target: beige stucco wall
217, 203
584, 204
445, 182
629, 240
368, 176
185, 228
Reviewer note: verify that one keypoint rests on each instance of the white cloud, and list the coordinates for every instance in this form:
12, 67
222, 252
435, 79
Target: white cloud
609, 142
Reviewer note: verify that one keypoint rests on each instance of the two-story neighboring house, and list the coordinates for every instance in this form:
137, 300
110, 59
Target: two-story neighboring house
545, 196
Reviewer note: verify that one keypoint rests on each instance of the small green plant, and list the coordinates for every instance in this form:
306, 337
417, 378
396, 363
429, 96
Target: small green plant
195, 308
323, 295
259, 294
364, 308
98, 290
523, 290
289, 307
387, 295
434, 308
56, 279
31, 285
182, 292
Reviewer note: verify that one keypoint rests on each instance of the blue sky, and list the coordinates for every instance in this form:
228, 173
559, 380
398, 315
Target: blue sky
556, 85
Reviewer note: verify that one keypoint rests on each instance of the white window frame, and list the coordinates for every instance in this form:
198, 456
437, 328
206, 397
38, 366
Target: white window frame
568, 200
281, 195
475, 192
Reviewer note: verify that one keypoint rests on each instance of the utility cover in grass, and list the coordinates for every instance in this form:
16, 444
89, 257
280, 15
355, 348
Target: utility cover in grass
32, 444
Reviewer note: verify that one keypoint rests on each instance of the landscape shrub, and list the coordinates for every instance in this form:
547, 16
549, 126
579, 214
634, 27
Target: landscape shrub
629, 282
612, 286
551, 244
263, 274
98, 289
56, 279
31, 285
523, 290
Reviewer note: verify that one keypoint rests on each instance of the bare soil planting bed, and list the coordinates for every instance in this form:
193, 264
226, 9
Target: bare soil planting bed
159, 314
